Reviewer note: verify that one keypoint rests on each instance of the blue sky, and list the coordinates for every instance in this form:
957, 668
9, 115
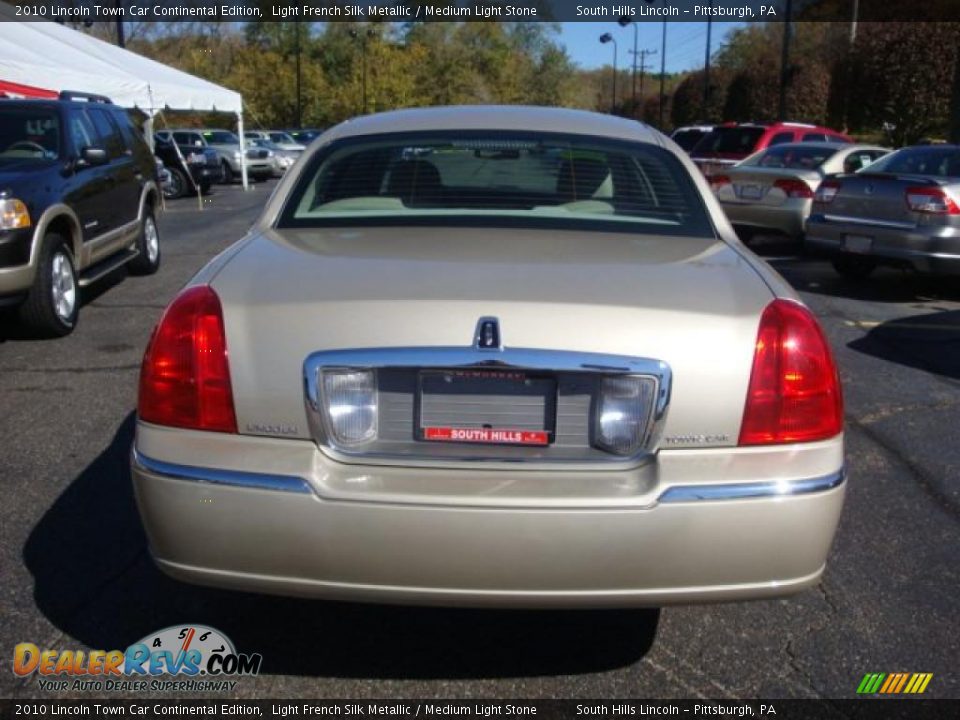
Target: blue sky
686, 42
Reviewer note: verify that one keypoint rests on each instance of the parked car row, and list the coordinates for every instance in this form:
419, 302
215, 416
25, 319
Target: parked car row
860, 205
773, 190
196, 158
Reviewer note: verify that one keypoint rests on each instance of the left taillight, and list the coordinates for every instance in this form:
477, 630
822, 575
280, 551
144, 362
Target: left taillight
185, 376
794, 393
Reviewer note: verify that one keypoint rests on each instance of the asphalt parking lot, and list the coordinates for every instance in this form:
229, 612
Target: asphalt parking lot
76, 572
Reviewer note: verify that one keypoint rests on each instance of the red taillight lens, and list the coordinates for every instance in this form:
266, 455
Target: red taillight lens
718, 181
827, 191
931, 200
794, 393
185, 377
794, 188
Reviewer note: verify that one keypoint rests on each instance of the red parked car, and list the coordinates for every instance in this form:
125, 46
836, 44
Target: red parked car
730, 143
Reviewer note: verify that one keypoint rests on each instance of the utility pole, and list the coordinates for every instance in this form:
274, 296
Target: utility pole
663, 73
954, 130
643, 68
706, 67
623, 22
785, 62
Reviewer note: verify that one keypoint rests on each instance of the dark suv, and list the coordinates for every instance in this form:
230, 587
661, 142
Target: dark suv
78, 197
191, 169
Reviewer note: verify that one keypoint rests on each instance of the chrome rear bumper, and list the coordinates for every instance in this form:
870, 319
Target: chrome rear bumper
299, 526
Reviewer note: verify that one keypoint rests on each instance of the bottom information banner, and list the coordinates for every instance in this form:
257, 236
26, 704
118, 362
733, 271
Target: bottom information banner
921, 709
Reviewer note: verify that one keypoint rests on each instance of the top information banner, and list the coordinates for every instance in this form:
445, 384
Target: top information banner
486, 10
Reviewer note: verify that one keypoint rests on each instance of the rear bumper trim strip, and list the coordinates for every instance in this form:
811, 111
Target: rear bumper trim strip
217, 476
743, 491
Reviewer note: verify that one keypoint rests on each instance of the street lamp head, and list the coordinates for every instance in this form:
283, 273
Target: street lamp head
606, 37
624, 20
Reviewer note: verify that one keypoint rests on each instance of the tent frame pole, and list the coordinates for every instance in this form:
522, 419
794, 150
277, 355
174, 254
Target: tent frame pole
243, 151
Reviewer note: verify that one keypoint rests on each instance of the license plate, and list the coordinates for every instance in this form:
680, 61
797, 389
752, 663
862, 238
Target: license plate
751, 192
492, 436
494, 407
857, 243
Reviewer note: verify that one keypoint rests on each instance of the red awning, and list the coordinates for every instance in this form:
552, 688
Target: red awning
12, 89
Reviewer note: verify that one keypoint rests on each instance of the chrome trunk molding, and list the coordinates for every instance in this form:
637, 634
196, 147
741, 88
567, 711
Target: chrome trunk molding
217, 476
460, 358
745, 491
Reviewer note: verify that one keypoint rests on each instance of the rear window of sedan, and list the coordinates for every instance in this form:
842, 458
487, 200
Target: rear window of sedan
498, 179
735, 140
794, 157
938, 162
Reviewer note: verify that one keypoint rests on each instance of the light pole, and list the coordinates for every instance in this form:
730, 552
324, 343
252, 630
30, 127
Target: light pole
706, 67
623, 22
121, 40
363, 37
296, 45
608, 38
663, 73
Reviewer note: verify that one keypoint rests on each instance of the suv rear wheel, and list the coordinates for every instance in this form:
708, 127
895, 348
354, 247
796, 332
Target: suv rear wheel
148, 261
227, 173
53, 303
178, 184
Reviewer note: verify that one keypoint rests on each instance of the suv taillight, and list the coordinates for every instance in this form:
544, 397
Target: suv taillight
793, 188
185, 377
931, 200
827, 191
794, 393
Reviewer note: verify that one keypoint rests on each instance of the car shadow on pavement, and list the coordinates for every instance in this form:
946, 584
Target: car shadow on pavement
11, 329
95, 581
929, 342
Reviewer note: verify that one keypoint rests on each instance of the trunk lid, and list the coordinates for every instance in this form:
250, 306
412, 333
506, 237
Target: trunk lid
877, 196
754, 185
692, 303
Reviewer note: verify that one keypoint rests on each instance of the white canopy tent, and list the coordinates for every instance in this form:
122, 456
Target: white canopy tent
54, 57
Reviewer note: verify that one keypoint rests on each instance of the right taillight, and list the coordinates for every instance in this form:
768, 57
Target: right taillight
827, 191
931, 200
794, 393
185, 376
794, 188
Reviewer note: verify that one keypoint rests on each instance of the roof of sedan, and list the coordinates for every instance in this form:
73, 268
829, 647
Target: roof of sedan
496, 117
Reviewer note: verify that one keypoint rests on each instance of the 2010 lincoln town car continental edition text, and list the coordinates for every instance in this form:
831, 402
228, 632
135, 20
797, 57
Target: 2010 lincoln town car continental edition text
491, 356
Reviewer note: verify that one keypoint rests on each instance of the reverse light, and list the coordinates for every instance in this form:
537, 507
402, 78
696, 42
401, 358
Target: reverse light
623, 411
931, 200
827, 191
13, 214
794, 393
350, 404
794, 188
185, 376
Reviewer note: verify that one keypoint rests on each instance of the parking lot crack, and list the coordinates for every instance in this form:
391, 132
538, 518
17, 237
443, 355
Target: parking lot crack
74, 370
920, 476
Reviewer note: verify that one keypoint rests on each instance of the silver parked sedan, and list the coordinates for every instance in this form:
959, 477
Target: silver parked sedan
505, 356
772, 190
903, 211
